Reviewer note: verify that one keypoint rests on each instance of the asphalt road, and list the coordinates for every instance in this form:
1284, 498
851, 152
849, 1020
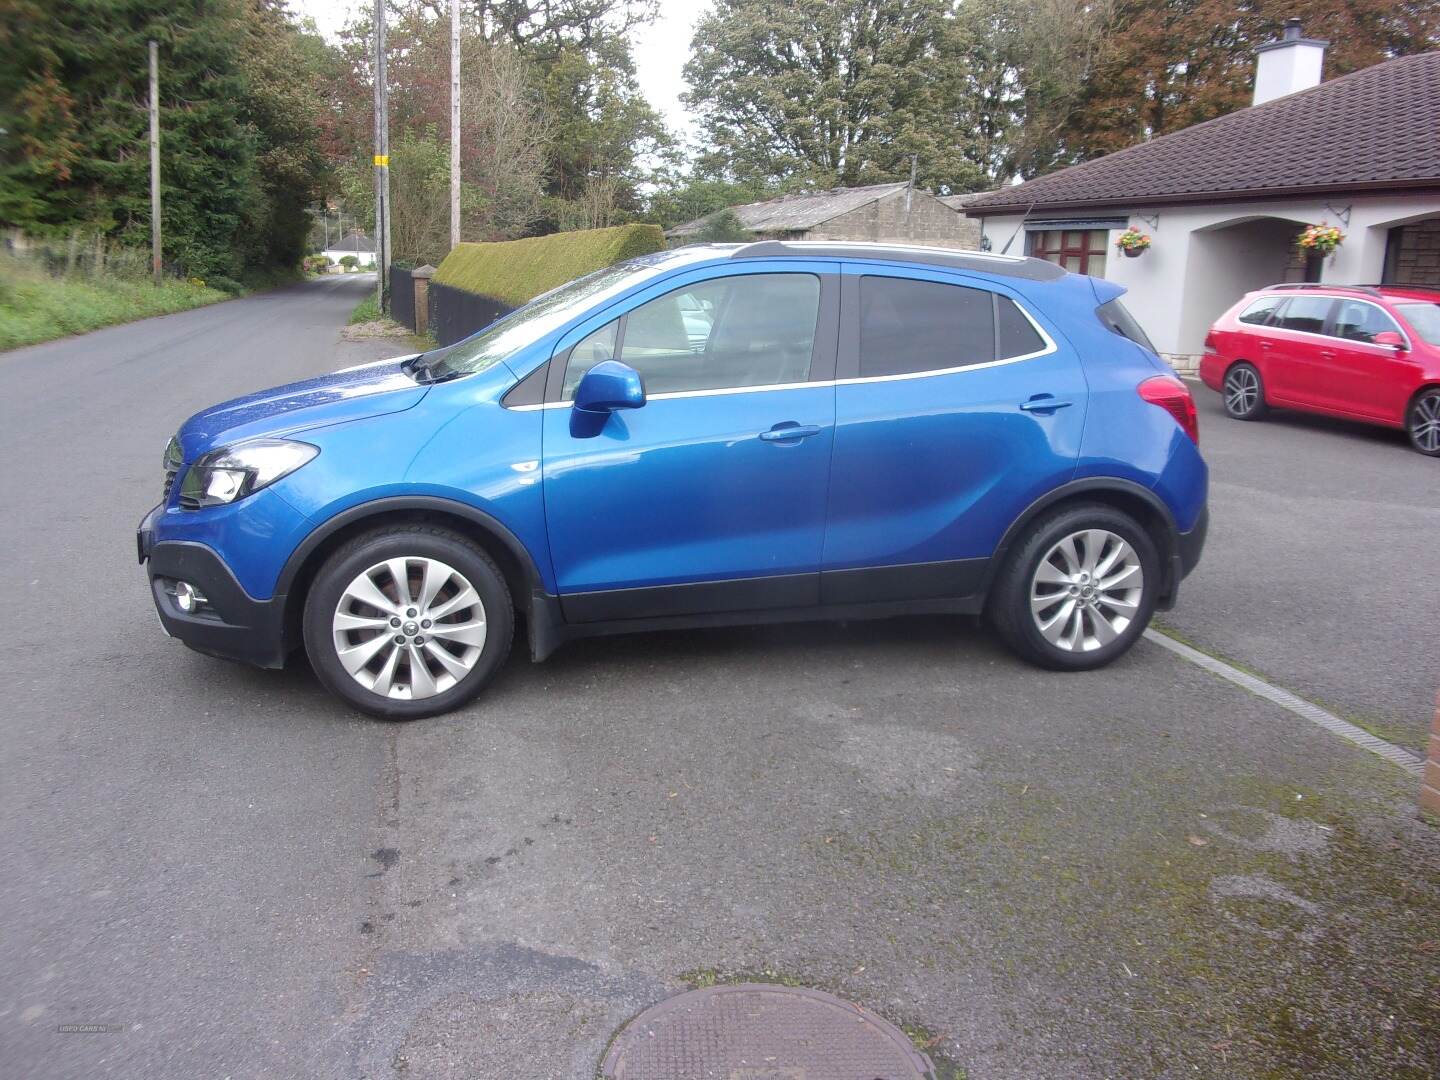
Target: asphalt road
1321, 567
1142, 871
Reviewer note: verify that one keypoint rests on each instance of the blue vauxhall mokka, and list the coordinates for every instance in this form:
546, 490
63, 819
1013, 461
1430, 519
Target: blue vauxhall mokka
710, 436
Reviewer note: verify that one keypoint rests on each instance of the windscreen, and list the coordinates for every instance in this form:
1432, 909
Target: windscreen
540, 316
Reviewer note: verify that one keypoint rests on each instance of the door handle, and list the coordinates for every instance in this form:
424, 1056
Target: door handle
790, 431
1266, 345
1044, 403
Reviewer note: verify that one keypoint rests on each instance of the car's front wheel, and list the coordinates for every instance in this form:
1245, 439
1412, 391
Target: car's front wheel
1422, 423
408, 621
1078, 590
1244, 393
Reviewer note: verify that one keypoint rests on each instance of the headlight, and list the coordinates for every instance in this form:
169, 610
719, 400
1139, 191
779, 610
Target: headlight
232, 472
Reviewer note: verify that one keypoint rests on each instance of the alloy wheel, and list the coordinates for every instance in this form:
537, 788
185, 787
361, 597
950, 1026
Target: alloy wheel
1242, 391
1087, 590
1425, 423
409, 628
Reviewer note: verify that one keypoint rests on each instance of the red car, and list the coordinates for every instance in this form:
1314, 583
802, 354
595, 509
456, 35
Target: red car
1362, 352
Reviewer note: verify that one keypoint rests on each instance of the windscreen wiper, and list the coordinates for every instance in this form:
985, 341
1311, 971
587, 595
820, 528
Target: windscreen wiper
417, 367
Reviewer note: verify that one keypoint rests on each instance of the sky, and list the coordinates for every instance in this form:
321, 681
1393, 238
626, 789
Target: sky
660, 50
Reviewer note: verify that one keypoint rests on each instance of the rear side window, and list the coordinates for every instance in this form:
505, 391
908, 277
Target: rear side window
1305, 313
1015, 334
1119, 320
1261, 311
909, 326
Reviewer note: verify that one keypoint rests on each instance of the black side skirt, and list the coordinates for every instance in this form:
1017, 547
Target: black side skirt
953, 587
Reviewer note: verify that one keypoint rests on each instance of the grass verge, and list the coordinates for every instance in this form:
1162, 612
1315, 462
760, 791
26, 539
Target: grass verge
35, 307
367, 310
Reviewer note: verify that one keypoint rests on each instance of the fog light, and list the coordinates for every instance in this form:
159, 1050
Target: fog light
188, 598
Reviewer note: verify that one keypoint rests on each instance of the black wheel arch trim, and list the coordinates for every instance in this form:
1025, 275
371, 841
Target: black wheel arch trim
434, 504
1094, 485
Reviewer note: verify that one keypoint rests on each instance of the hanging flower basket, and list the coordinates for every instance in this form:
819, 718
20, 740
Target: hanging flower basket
1132, 242
1320, 240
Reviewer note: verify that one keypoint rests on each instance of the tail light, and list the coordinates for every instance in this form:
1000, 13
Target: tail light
1173, 396
1210, 341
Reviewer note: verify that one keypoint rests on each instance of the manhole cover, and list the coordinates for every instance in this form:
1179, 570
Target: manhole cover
761, 1032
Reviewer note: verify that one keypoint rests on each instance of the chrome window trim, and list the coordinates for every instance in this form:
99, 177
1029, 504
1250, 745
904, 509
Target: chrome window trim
1049, 348
1394, 323
1409, 344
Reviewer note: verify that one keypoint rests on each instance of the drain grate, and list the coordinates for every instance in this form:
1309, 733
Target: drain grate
755, 1031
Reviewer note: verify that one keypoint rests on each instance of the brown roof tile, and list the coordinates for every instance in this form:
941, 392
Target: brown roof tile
1376, 128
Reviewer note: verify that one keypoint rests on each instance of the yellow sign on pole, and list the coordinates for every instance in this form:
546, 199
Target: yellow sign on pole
382, 159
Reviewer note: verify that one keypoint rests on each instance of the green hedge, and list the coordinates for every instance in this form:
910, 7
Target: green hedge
516, 271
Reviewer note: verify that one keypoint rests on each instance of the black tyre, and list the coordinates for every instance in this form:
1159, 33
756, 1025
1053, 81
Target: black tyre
408, 621
1422, 422
1078, 590
1243, 392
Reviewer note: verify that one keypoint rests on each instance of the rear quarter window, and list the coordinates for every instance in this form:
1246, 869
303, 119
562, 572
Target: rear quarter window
1260, 312
1118, 320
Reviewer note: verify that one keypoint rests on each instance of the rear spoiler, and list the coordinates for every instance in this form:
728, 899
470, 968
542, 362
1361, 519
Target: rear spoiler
1105, 291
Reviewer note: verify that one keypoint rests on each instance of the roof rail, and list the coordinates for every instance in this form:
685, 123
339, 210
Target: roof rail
1368, 289
957, 259
1422, 286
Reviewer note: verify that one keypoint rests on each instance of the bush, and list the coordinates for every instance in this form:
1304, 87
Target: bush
516, 271
349, 262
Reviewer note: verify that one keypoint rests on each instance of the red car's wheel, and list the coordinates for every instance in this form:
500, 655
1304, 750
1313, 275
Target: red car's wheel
1244, 393
1423, 422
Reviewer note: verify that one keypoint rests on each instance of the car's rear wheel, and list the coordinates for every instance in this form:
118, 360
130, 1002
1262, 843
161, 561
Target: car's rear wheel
1422, 423
1244, 393
408, 621
1079, 589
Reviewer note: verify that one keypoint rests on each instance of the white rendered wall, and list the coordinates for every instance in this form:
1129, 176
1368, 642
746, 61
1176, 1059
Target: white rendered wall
1205, 257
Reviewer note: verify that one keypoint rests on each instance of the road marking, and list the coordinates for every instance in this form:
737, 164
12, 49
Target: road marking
1411, 763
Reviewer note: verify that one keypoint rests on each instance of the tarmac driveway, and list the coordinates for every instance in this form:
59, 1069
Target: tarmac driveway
1143, 871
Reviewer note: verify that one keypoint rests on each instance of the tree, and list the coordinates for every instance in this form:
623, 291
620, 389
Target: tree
238, 146
554, 129
723, 227
824, 92
679, 198
1167, 64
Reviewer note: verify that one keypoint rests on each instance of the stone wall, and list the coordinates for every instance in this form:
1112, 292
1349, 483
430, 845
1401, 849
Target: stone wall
929, 222
1418, 261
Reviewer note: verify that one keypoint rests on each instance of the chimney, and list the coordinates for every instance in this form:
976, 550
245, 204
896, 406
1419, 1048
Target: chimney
1290, 64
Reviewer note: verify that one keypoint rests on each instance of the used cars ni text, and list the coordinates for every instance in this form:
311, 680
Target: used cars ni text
1361, 352
714, 435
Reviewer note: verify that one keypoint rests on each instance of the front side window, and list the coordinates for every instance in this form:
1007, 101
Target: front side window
1356, 320
1261, 311
909, 326
1305, 313
1081, 251
733, 332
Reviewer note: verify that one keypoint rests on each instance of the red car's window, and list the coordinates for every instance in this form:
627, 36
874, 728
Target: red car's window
1259, 312
1359, 321
1425, 318
1305, 313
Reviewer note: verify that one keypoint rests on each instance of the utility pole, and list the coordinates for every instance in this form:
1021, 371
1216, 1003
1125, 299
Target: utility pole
382, 164
155, 160
454, 122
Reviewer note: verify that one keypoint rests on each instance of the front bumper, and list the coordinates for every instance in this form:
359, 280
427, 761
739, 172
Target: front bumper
231, 624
